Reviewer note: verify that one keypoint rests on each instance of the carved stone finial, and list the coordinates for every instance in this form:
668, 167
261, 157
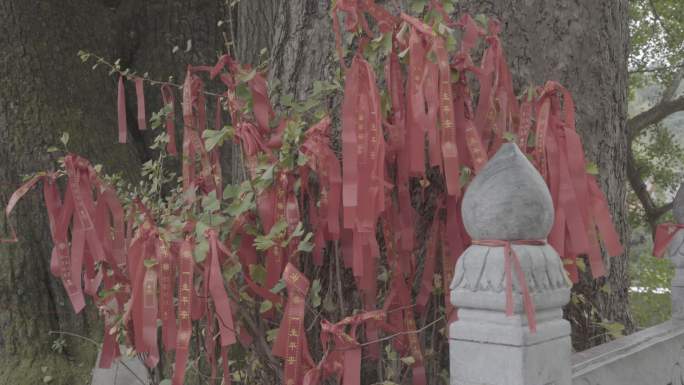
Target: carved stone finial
508, 199
678, 207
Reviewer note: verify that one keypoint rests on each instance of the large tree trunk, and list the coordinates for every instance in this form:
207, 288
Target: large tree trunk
582, 44
45, 90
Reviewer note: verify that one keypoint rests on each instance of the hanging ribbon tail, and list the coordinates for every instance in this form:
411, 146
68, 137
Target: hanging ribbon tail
110, 350
140, 95
527, 298
512, 262
14, 199
218, 293
121, 111
291, 339
149, 317
166, 306
184, 307
664, 235
603, 219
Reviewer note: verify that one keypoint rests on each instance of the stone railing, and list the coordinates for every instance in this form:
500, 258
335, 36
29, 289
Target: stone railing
509, 202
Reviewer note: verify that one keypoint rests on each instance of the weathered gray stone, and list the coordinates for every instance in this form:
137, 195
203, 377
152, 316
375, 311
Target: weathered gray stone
678, 207
124, 371
508, 199
676, 254
653, 356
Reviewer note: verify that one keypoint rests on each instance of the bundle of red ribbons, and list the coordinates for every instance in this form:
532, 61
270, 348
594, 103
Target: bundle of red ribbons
144, 275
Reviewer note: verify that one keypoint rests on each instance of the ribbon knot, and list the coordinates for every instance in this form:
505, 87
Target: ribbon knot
511, 261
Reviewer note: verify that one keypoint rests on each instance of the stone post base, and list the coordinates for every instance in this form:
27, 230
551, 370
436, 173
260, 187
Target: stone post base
488, 348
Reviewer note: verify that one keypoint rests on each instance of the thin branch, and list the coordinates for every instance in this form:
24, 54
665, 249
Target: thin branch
655, 69
389, 337
637, 124
115, 69
92, 341
671, 89
652, 212
656, 15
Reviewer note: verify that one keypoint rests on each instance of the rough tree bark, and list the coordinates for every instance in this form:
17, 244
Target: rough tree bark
582, 44
44, 91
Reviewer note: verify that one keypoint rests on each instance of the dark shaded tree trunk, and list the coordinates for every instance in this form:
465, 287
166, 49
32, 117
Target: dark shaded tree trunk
45, 90
582, 44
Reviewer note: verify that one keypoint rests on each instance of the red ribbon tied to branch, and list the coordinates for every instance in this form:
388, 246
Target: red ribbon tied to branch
511, 261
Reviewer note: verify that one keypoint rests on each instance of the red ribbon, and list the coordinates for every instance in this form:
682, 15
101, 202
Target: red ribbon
166, 307
14, 199
121, 111
342, 356
218, 291
665, 233
511, 262
185, 289
560, 159
290, 343
140, 95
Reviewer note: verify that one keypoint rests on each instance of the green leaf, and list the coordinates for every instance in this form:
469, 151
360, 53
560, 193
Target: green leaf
408, 360
149, 263
232, 271
299, 230
265, 242
278, 287
231, 191
417, 6
305, 245
265, 306
287, 100
271, 334
210, 203
315, 293
52, 149
449, 6
592, 168
213, 138
580, 265
165, 382
465, 176
64, 138
242, 205
258, 273
247, 76
482, 19
242, 92
615, 329
509, 136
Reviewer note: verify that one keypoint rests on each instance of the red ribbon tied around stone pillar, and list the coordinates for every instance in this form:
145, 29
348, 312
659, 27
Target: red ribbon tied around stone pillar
664, 235
511, 261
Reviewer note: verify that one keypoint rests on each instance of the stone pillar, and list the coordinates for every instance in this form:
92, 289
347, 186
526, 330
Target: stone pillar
508, 200
676, 255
